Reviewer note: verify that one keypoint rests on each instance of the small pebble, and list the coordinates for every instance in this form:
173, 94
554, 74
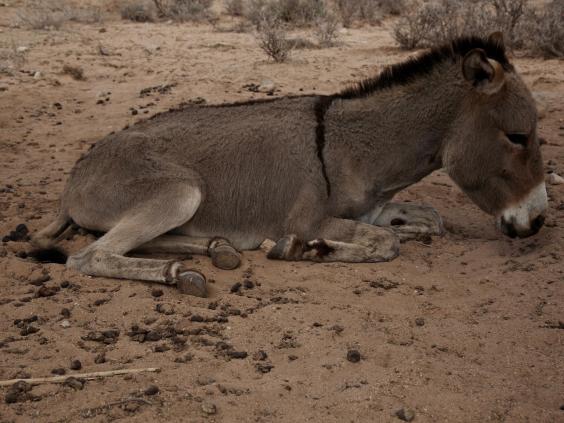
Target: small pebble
353, 356
58, 371
156, 292
420, 321
152, 390
75, 364
65, 324
236, 287
405, 414
65, 312
209, 408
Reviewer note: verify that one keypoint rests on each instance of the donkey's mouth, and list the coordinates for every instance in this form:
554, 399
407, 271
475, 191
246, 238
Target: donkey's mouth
512, 231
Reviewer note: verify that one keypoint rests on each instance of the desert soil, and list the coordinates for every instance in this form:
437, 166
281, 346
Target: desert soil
467, 329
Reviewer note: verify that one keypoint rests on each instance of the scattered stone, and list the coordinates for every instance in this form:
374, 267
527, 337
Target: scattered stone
157, 292
65, 324
76, 72
165, 309
209, 408
384, 283
353, 356
184, 359
248, 284
260, 355
65, 284
75, 364
292, 357
152, 390
161, 348
555, 179
420, 321
196, 318
237, 354
58, 371
236, 287
74, 383
65, 312
100, 358
18, 392
267, 86
29, 330
47, 291
264, 367
405, 414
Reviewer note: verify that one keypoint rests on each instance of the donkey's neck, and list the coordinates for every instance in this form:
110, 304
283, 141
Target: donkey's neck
378, 144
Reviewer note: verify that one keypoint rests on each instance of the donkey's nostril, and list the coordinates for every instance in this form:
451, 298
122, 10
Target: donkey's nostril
537, 223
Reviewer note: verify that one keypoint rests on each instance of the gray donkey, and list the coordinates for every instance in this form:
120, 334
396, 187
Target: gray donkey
314, 173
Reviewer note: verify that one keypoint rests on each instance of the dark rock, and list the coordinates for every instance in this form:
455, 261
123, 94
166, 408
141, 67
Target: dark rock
264, 367
58, 371
29, 330
65, 284
40, 280
353, 356
161, 348
248, 284
405, 414
74, 383
260, 355
75, 364
420, 321
156, 292
152, 390
237, 354
65, 312
47, 291
166, 309
236, 287
100, 358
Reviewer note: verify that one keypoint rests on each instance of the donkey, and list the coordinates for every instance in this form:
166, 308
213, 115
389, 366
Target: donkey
316, 174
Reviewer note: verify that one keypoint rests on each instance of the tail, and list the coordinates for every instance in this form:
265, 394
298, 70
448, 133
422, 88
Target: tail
45, 240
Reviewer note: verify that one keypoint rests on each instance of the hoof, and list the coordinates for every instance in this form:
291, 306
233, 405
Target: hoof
225, 257
287, 248
192, 282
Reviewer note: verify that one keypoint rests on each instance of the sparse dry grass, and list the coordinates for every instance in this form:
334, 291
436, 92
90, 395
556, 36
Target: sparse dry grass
76, 72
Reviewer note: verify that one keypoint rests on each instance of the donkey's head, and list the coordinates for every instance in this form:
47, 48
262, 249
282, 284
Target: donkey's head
493, 153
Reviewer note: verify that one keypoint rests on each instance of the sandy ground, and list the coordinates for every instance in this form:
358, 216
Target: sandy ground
468, 329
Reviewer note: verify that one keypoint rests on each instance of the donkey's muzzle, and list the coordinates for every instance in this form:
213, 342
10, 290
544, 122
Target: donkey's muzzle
512, 231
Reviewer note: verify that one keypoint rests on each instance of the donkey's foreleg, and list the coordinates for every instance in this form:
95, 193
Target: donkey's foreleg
222, 253
340, 240
105, 257
410, 221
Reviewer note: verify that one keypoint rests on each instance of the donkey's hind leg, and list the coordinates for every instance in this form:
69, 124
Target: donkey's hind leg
222, 253
410, 221
105, 257
340, 240
48, 236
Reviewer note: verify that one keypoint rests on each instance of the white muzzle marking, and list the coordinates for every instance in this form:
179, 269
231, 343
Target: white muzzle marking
533, 205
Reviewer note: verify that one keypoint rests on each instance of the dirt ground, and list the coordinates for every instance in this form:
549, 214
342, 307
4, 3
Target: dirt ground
467, 329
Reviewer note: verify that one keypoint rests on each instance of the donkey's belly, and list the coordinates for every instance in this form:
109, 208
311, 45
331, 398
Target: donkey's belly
242, 240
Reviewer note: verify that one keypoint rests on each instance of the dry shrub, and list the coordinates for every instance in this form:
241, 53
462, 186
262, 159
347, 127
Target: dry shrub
437, 22
369, 11
235, 7
11, 58
184, 10
543, 31
291, 12
301, 43
138, 11
38, 14
326, 31
273, 40
86, 15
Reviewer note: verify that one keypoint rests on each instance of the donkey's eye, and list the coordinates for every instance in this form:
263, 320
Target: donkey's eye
520, 139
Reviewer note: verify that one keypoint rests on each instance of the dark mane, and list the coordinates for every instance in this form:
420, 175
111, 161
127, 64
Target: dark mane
405, 72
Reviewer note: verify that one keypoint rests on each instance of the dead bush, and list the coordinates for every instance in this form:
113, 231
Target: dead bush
437, 22
273, 40
347, 11
370, 11
235, 7
184, 10
12, 58
326, 31
38, 14
87, 15
291, 12
138, 11
543, 32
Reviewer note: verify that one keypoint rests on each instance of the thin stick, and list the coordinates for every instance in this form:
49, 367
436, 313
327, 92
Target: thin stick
62, 379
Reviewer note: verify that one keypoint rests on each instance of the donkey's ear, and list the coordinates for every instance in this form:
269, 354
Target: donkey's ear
486, 75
